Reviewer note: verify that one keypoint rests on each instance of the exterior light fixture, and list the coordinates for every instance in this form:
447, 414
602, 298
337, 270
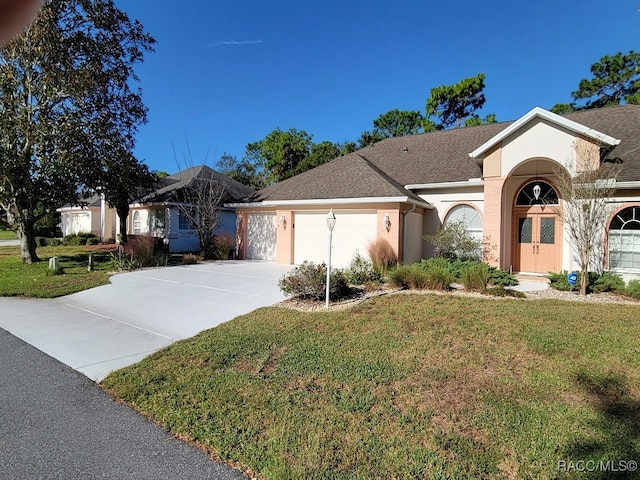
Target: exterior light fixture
331, 223
536, 191
282, 220
386, 222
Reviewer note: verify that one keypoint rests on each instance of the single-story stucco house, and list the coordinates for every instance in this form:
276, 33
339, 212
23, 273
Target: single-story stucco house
158, 213
488, 176
93, 216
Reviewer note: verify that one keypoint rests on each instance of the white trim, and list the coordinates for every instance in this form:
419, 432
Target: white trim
472, 182
626, 185
538, 112
331, 201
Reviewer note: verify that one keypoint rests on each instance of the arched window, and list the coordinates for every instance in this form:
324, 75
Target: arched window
624, 239
137, 224
471, 218
537, 192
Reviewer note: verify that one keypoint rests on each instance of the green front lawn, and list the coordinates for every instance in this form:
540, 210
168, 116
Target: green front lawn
36, 280
405, 386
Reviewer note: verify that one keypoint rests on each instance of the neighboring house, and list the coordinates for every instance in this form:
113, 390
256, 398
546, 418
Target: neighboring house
93, 216
488, 176
158, 213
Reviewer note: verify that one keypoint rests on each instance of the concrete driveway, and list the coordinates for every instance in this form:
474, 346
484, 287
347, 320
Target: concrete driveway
113, 326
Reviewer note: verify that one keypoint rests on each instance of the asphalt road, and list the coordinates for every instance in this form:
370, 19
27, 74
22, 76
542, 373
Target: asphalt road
55, 423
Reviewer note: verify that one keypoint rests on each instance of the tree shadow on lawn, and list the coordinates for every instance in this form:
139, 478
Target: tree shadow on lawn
617, 429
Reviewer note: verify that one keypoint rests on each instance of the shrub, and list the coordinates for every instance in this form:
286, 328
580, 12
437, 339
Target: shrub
54, 242
123, 262
309, 281
189, 259
559, 281
418, 276
633, 289
400, 277
71, 240
455, 241
439, 278
501, 278
608, 282
475, 276
93, 241
219, 247
382, 255
361, 271
141, 248
41, 241
456, 266
110, 241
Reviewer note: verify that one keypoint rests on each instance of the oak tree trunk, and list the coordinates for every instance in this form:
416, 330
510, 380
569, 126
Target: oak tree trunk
27, 236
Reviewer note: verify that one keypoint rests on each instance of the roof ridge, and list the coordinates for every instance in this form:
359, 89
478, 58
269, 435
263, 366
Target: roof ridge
388, 178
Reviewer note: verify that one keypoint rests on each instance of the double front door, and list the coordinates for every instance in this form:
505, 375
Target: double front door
536, 242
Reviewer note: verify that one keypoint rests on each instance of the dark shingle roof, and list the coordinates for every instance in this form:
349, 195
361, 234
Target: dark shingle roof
169, 187
351, 176
621, 122
382, 169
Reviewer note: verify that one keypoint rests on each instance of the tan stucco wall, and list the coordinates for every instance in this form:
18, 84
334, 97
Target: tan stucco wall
241, 233
492, 165
587, 155
493, 221
284, 236
395, 234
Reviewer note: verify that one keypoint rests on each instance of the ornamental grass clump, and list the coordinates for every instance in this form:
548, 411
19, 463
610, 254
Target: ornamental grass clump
421, 277
382, 255
475, 276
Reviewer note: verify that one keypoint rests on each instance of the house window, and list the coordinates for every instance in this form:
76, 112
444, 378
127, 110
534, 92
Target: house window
537, 192
624, 239
470, 217
183, 222
159, 217
137, 223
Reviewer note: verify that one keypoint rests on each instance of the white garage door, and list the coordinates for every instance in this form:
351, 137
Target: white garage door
261, 236
353, 233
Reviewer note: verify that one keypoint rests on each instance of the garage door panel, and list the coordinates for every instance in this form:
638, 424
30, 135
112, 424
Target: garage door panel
261, 237
353, 233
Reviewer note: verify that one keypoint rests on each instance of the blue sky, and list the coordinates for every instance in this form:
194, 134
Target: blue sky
227, 72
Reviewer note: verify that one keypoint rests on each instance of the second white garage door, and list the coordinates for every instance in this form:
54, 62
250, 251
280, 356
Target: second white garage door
353, 233
261, 236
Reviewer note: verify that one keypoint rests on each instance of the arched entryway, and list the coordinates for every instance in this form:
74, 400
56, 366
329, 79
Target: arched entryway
537, 231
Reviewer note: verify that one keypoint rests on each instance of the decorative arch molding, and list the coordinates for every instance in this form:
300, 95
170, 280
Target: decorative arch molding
462, 204
536, 167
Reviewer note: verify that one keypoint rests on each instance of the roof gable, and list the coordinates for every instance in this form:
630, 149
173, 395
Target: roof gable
170, 186
540, 113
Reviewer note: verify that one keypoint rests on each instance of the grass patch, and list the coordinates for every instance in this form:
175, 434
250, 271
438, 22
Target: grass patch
405, 386
36, 280
7, 234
